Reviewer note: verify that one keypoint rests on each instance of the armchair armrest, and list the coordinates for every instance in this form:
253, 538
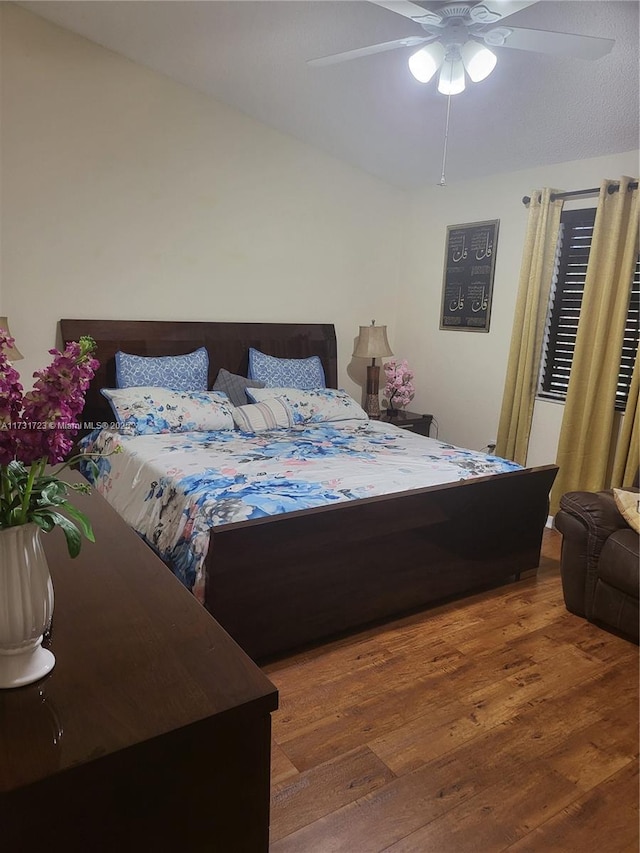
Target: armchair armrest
597, 511
586, 520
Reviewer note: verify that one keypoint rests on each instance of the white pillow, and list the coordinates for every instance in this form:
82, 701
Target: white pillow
256, 417
321, 405
148, 410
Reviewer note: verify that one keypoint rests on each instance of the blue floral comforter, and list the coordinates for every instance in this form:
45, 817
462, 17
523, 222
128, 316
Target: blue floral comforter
173, 488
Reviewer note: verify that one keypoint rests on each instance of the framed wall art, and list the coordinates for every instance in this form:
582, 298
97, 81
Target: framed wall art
469, 266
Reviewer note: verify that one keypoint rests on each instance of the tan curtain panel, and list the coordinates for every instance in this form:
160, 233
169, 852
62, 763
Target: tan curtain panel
627, 458
587, 439
532, 303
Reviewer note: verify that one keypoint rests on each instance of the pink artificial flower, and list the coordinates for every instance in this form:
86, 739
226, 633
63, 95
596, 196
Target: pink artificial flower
399, 388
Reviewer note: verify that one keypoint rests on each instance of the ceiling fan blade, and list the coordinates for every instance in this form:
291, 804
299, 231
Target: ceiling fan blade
490, 11
410, 10
410, 41
546, 41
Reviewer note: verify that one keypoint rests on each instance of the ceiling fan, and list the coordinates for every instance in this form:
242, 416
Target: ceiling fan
459, 37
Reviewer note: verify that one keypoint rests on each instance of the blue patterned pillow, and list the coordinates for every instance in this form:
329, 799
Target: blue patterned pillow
178, 372
154, 410
303, 373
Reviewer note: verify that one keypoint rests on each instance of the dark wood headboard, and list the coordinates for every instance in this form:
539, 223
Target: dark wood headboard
227, 344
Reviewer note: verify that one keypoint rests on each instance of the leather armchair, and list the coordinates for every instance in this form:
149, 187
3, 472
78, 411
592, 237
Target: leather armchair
600, 564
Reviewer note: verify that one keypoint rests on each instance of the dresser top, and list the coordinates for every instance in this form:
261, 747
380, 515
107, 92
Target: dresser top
136, 657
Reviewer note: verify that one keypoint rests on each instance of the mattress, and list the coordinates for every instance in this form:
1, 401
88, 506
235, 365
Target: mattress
174, 488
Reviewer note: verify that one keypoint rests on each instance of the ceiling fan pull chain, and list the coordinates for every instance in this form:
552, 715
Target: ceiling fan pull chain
443, 182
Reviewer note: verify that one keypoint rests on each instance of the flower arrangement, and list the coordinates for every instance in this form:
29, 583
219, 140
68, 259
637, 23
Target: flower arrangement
37, 429
399, 389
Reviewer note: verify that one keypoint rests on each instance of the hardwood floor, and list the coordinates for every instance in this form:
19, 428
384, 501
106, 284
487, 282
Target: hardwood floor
502, 722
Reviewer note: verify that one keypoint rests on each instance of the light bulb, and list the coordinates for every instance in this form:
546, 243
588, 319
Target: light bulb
425, 62
478, 60
451, 79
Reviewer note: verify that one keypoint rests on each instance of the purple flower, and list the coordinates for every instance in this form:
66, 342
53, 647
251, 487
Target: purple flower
37, 429
10, 399
56, 401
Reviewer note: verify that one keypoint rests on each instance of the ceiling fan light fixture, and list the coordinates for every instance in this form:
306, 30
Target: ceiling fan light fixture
478, 60
424, 63
451, 79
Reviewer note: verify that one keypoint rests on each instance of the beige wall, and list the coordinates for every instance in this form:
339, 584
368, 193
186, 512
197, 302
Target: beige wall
126, 195
461, 374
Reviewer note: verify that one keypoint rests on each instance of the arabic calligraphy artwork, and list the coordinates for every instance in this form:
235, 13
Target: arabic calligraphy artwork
468, 276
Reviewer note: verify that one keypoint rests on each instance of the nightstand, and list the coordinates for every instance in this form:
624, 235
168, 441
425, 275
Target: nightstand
409, 420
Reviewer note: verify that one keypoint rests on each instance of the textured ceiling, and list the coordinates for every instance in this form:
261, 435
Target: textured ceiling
534, 109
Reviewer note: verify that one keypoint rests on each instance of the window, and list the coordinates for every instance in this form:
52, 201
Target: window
572, 256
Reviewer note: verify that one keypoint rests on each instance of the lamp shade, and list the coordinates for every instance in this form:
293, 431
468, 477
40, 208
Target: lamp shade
13, 353
478, 60
424, 63
451, 79
372, 342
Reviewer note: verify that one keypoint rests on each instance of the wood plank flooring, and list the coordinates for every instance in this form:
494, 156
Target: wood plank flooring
501, 722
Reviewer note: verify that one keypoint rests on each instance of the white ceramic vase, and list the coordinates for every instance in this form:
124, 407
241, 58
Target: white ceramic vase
26, 606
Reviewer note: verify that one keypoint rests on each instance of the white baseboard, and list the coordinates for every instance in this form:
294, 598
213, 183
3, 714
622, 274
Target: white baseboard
549, 523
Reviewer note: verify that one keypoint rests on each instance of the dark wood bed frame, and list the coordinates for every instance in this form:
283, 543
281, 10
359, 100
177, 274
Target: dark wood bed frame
277, 584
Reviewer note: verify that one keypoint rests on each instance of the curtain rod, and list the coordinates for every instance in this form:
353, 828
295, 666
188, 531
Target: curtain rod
613, 188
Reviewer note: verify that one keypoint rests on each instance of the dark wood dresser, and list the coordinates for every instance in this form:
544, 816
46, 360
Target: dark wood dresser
153, 730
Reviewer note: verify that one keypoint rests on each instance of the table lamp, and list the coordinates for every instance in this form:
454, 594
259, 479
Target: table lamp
372, 343
13, 353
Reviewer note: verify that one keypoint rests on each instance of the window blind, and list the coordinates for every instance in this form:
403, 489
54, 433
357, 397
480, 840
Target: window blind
567, 292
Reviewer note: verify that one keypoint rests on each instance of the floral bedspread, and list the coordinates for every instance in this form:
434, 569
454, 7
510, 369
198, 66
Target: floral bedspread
173, 488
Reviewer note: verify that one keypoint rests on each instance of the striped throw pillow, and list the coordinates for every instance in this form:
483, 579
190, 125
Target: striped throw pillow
270, 414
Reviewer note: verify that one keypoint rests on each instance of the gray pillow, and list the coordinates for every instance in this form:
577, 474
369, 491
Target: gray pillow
235, 386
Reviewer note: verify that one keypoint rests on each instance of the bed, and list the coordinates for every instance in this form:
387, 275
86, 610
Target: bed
280, 582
